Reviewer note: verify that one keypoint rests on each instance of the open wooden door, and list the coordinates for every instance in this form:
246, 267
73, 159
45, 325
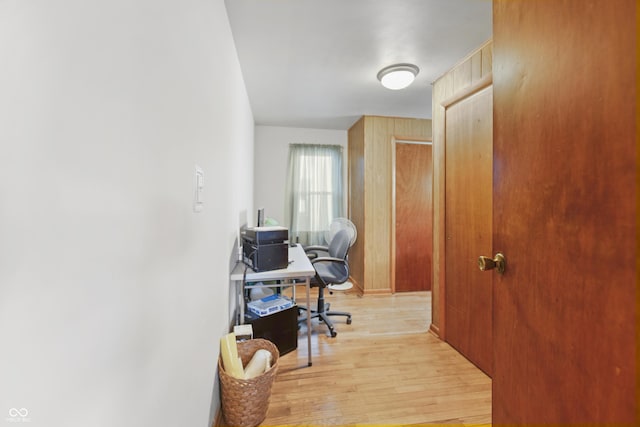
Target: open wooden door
564, 312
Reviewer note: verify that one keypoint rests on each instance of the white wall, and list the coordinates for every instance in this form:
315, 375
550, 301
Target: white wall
113, 292
272, 156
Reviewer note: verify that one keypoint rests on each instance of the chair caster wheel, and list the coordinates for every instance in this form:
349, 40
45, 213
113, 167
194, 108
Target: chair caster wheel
348, 320
333, 334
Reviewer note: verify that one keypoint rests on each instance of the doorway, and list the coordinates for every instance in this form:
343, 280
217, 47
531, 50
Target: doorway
412, 228
463, 164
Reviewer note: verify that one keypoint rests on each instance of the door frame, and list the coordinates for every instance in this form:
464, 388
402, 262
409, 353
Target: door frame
394, 142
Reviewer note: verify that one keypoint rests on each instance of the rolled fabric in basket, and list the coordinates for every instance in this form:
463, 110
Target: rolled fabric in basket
259, 363
229, 350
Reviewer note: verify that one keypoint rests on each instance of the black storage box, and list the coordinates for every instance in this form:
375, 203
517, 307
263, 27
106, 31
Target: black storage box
265, 257
265, 248
280, 328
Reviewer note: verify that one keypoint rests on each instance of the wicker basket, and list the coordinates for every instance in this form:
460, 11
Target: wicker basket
245, 402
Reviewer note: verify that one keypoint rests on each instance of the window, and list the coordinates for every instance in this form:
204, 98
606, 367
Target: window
314, 194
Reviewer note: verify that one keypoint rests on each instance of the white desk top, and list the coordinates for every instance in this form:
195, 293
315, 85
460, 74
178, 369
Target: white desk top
299, 267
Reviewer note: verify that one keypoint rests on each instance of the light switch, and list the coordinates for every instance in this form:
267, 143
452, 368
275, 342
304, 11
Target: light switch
198, 184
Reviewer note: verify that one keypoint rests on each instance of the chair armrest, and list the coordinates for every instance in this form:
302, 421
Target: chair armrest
314, 251
328, 259
316, 248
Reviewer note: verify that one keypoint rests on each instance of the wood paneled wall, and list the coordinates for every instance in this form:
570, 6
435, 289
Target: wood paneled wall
356, 200
471, 70
370, 194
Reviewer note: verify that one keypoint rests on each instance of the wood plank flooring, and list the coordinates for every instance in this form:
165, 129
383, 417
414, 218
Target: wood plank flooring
384, 368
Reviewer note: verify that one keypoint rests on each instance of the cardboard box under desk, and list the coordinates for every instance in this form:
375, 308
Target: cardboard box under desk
280, 328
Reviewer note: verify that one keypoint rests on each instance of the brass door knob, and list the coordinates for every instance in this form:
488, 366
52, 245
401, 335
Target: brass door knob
498, 262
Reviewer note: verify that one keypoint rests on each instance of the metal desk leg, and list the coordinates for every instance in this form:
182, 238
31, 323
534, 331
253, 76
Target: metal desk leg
307, 287
240, 302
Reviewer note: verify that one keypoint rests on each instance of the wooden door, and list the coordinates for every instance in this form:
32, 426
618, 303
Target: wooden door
468, 201
413, 217
564, 212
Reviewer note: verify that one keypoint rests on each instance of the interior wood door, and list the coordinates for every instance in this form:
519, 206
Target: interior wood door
413, 217
564, 212
468, 219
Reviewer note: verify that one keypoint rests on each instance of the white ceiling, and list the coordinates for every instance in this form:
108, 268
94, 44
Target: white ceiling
313, 63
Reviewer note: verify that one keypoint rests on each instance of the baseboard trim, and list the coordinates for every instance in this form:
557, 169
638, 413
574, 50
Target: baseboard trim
356, 285
435, 330
377, 292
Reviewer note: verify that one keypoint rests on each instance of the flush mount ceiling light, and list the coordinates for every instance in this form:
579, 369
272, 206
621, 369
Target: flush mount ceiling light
398, 76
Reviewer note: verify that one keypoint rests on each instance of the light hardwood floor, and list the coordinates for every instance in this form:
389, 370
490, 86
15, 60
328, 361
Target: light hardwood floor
384, 368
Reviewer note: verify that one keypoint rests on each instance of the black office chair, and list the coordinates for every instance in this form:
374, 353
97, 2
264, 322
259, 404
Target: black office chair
331, 267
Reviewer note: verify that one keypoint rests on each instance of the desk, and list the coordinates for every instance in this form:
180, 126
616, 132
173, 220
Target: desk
299, 272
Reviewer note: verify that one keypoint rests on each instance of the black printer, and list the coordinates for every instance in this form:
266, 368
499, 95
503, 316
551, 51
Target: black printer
265, 248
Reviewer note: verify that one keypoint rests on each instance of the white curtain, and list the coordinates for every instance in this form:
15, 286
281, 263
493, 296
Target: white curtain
314, 191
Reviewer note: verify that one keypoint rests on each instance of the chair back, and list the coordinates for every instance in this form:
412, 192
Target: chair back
334, 272
339, 246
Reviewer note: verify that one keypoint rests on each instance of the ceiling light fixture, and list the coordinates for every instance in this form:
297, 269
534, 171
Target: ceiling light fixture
398, 76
